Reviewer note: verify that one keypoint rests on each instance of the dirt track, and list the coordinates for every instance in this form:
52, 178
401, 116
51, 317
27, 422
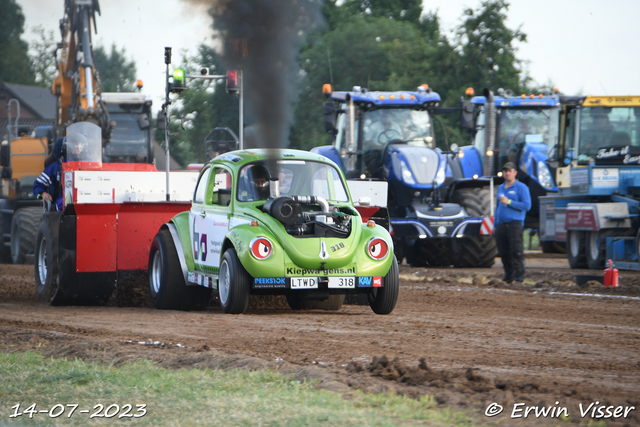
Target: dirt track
459, 335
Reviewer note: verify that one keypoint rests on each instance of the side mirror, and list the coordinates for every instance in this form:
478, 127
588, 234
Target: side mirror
5, 155
162, 120
467, 115
143, 121
329, 112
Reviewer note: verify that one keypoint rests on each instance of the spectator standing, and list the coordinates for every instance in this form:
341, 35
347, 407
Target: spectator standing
514, 200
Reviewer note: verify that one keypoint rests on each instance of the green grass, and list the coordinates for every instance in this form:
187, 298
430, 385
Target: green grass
191, 397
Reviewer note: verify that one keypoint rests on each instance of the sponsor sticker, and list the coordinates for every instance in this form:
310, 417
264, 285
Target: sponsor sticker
365, 282
269, 282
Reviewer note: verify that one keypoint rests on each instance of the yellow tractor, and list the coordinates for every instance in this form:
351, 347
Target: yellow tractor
22, 154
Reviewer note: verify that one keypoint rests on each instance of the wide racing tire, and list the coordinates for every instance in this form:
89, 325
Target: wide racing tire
576, 249
167, 287
383, 300
234, 284
24, 226
474, 251
46, 262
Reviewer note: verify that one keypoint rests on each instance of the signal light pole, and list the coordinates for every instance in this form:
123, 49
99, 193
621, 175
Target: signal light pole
234, 87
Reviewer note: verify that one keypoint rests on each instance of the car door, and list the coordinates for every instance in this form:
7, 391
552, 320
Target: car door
209, 217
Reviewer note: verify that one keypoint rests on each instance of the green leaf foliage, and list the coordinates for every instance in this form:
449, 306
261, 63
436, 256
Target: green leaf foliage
43, 59
117, 73
15, 66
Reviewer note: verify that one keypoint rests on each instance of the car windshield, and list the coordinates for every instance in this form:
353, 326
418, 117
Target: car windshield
607, 126
127, 138
293, 178
524, 125
411, 126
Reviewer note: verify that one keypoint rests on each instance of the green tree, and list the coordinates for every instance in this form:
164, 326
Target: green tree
401, 10
14, 52
117, 73
487, 56
43, 60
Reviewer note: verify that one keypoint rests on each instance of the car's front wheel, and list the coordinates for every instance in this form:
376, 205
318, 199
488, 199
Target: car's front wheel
383, 300
234, 284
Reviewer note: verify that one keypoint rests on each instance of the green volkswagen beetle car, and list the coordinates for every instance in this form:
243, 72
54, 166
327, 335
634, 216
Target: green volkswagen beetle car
271, 222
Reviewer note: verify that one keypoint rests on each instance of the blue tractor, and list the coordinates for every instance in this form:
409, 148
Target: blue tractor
597, 209
435, 213
521, 129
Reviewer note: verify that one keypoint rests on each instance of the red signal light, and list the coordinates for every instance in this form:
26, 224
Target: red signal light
233, 82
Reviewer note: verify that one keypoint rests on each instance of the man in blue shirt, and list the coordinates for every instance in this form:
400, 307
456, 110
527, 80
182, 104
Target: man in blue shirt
47, 185
514, 200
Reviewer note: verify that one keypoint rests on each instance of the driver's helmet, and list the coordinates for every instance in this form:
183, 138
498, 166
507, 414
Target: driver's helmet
257, 182
76, 147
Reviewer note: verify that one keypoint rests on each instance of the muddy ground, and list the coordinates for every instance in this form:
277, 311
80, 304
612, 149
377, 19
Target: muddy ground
461, 336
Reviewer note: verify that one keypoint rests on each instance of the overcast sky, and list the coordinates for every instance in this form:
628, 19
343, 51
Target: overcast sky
581, 46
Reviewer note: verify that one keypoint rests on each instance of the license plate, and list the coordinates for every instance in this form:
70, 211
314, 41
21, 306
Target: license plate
342, 282
304, 283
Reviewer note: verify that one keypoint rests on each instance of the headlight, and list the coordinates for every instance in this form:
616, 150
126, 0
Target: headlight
261, 248
544, 176
407, 176
377, 248
440, 177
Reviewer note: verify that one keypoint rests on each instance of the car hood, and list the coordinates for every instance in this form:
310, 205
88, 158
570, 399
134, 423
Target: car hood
311, 252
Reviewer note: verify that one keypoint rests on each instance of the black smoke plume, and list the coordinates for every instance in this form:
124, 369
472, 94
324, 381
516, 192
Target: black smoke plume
263, 38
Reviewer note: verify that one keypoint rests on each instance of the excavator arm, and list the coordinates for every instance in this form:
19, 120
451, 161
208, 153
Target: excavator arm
77, 85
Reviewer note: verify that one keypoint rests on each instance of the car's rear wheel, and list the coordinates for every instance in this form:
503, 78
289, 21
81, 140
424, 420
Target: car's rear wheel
383, 300
234, 284
166, 281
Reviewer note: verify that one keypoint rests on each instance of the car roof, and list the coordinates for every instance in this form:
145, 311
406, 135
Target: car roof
236, 159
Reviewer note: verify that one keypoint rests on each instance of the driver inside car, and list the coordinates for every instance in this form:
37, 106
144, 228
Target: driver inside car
382, 131
254, 184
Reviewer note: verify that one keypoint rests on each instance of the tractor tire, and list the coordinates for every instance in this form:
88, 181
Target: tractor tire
234, 284
333, 303
46, 263
167, 286
474, 251
24, 227
383, 300
596, 248
576, 249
